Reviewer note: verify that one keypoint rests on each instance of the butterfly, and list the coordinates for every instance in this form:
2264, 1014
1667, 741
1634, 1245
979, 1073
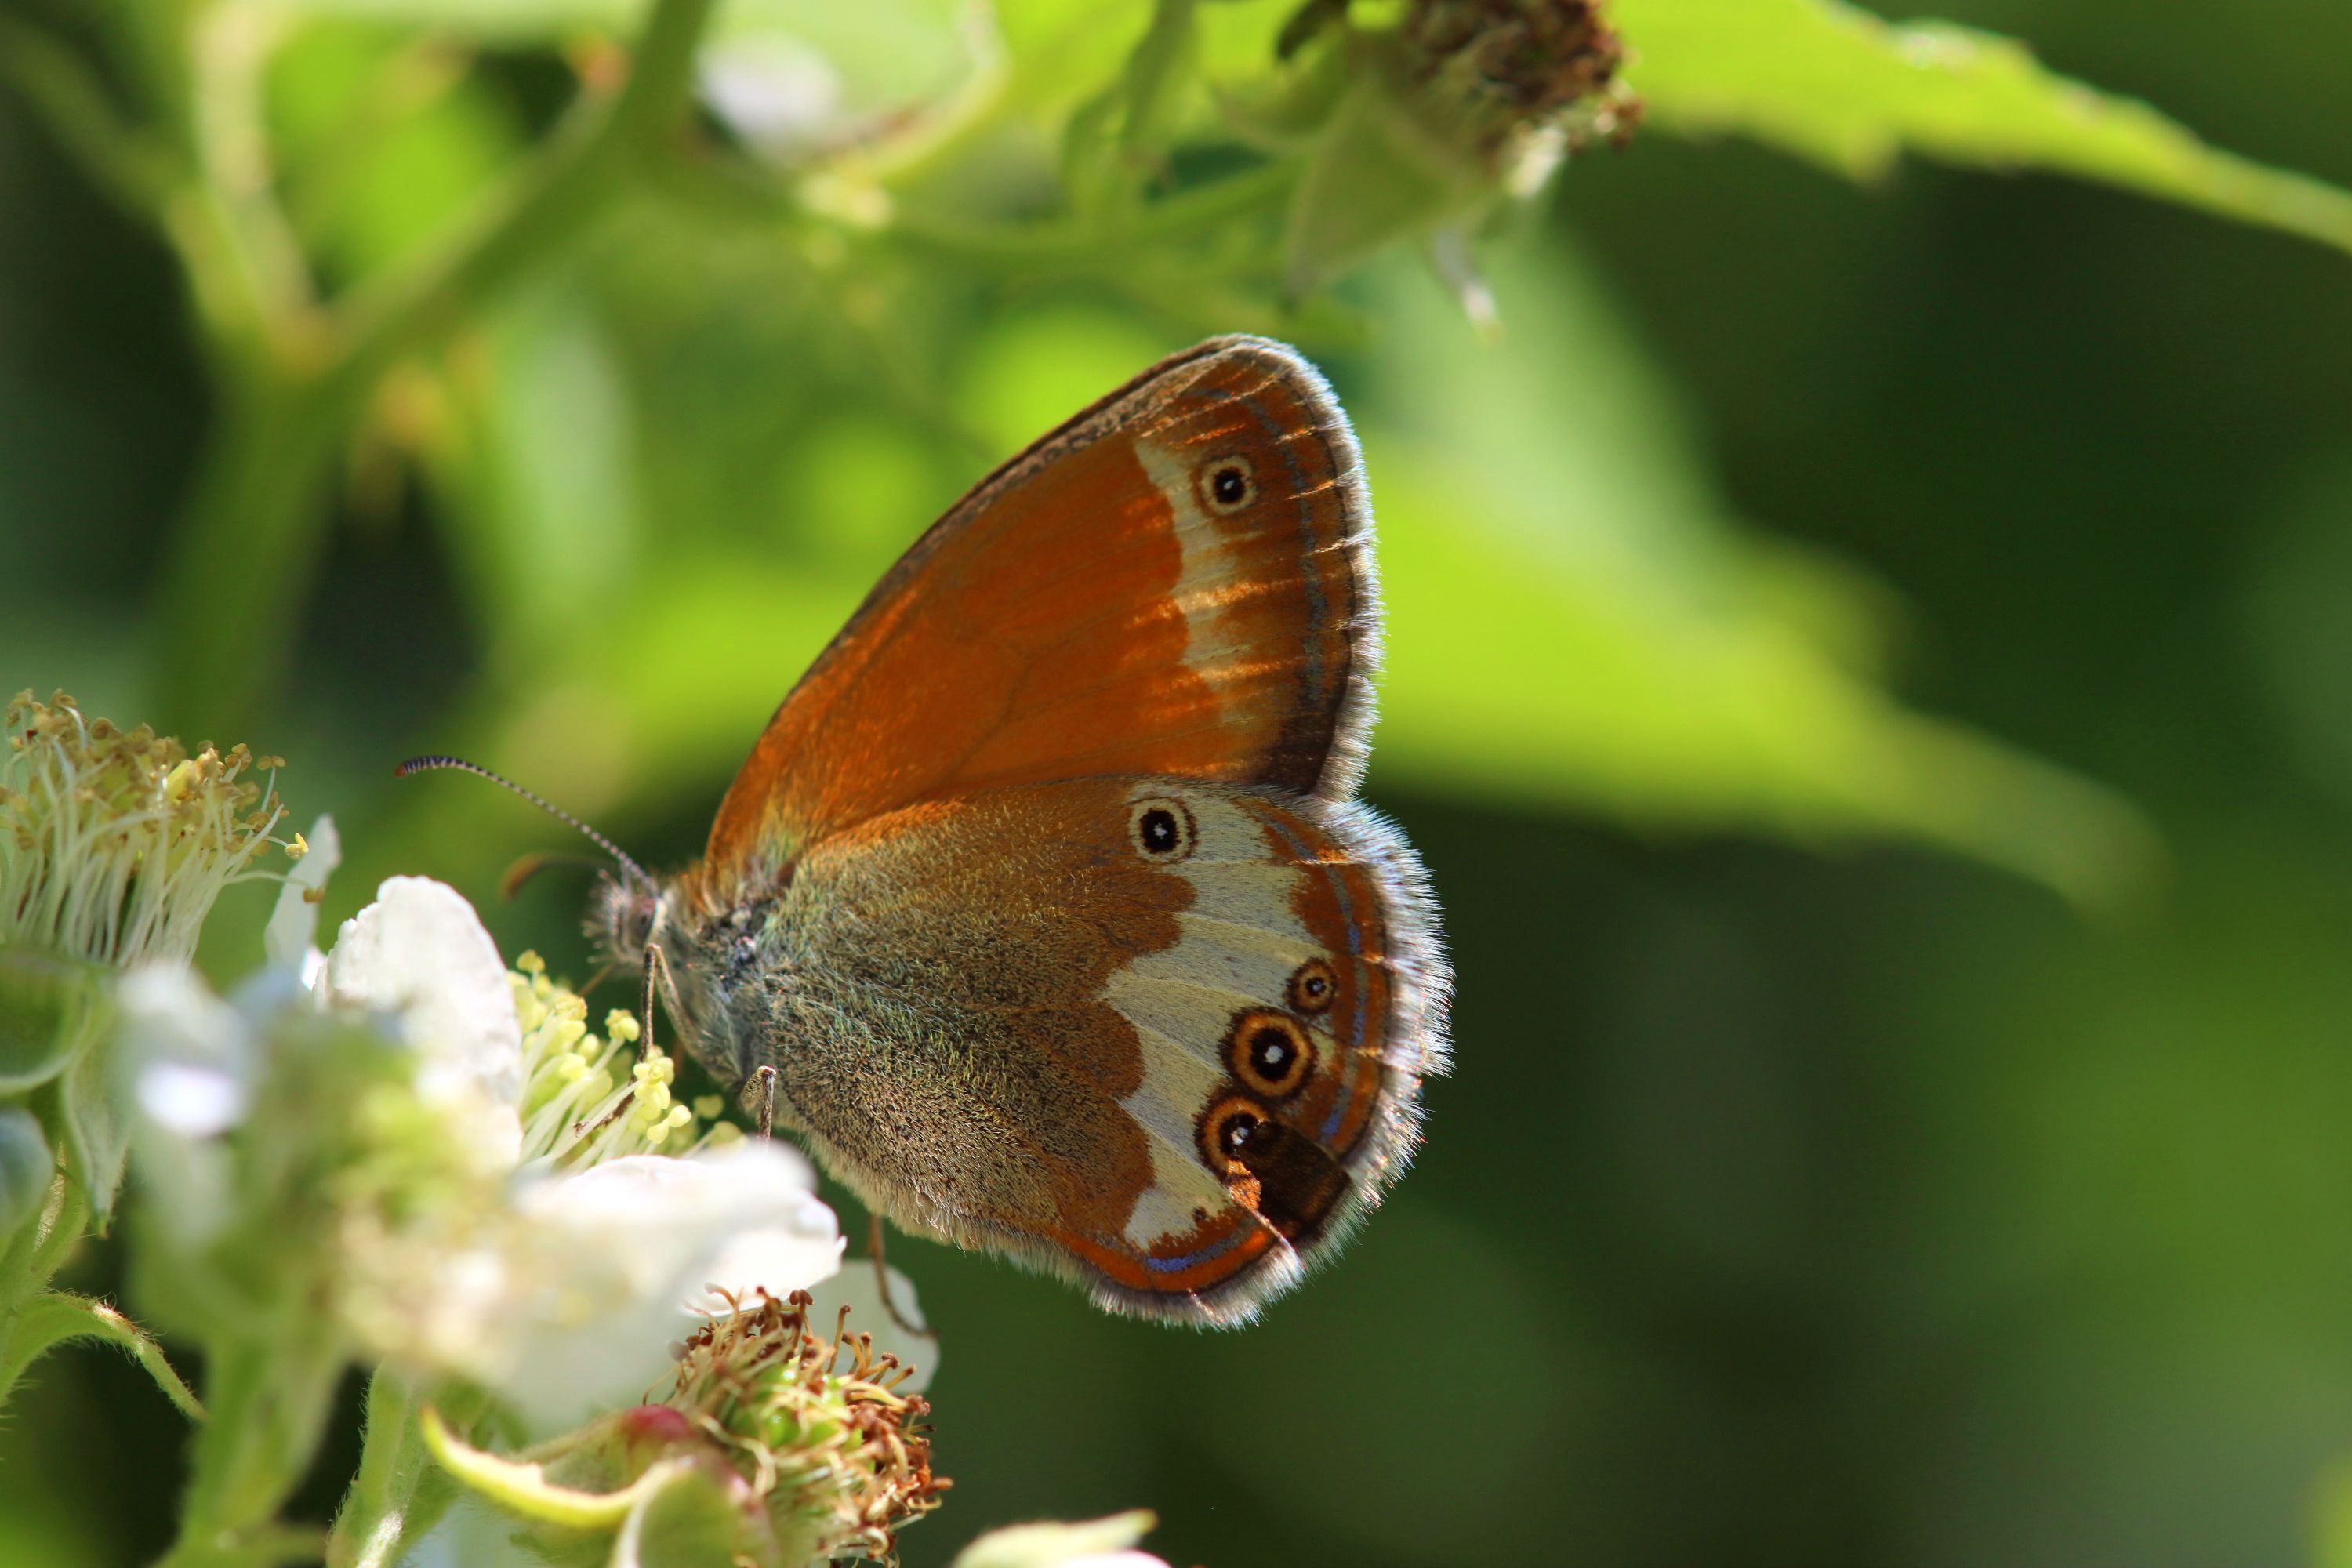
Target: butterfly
1046, 895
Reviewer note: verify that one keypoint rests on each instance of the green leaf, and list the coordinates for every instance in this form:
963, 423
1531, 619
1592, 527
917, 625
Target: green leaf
1833, 82
537, 471
2334, 1517
1575, 620
98, 1134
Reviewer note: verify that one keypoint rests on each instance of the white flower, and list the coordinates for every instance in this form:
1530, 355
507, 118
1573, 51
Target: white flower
576, 1304
420, 954
780, 96
562, 1283
191, 1060
572, 1299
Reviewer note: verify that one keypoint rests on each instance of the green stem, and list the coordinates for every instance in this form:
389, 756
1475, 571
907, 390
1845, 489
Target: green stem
253, 532
1189, 214
126, 167
399, 1492
54, 1318
1075, 244
270, 1397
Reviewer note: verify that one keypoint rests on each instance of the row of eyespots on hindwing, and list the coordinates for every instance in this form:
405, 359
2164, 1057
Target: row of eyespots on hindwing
1270, 1058
1291, 1181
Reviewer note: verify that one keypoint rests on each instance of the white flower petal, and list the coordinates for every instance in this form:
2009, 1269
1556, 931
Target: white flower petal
193, 1101
188, 1061
191, 1057
419, 952
1098, 1543
582, 1314
856, 1288
291, 940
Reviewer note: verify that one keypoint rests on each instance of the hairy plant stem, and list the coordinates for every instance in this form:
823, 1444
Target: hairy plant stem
399, 1492
270, 1396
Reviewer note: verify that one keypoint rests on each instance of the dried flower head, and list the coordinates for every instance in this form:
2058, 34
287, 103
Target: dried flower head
1518, 63
115, 844
834, 1449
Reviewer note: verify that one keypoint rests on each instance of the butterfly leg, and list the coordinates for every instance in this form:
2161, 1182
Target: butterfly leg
763, 1095
882, 1279
654, 964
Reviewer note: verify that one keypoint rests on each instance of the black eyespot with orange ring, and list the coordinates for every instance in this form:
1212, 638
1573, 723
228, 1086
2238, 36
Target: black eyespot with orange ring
1161, 829
1268, 1052
1225, 1130
1313, 987
1228, 484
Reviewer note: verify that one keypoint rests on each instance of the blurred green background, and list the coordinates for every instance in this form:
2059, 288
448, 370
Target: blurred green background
1870, 676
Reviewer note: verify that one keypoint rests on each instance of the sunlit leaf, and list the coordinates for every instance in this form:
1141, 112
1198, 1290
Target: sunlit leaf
1575, 620
1833, 82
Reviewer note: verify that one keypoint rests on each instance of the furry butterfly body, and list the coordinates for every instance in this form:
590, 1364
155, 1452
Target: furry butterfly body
1045, 893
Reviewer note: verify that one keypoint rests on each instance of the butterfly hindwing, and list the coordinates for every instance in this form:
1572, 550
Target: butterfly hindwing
1166, 1034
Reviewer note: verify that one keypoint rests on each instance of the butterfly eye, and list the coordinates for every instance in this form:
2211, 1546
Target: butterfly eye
1269, 1052
1313, 988
1227, 1131
1163, 830
1227, 484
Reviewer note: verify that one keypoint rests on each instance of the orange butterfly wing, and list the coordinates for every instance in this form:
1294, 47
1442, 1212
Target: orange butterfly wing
1088, 954
1178, 582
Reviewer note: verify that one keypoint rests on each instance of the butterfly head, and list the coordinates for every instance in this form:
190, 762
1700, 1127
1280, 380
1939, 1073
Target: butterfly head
623, 916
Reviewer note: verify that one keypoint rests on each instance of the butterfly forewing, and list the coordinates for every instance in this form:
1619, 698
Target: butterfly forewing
1176, 583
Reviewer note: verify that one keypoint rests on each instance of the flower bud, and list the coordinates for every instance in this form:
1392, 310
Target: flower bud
1461, 105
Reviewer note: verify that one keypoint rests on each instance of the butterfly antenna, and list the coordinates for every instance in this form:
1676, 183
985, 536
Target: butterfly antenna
427, 765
